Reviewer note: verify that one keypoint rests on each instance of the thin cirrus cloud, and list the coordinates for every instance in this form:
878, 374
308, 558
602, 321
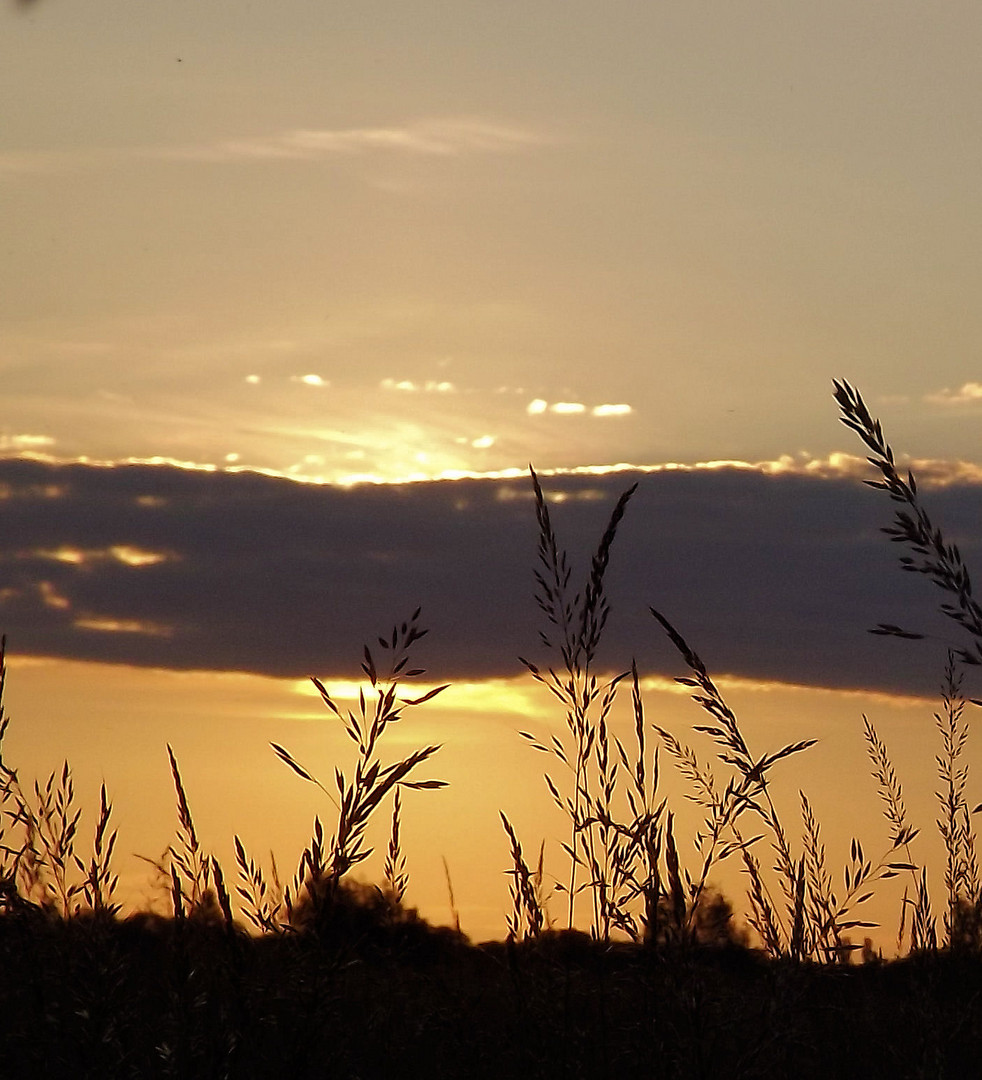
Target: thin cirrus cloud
19, 163
426, 138
771, 572
421, 138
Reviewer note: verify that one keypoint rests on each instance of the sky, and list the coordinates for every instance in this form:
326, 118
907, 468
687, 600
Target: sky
291, 296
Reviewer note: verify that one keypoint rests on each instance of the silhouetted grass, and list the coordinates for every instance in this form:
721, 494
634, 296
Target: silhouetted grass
340, 978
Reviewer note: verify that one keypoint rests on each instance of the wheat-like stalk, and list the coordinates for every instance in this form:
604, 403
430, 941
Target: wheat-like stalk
890, 790
748, 789
43, 870
932, 556
955, 820
263, 903
189, 865
527, 918
608, 797
396, 874
361, 792
101, 882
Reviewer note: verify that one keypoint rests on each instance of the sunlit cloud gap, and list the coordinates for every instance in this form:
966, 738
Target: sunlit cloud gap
512, 697
515, 698
24, 442
52, 598
930, 472
122, 553
122, 626
518, 696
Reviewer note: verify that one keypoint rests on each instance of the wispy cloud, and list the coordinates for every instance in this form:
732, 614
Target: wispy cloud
17, 163
969, 393
439, 137
448, 137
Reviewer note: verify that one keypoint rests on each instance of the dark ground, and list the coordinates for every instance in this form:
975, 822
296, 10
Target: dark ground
149, 997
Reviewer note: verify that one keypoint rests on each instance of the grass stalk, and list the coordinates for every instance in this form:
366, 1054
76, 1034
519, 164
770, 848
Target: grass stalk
362, 791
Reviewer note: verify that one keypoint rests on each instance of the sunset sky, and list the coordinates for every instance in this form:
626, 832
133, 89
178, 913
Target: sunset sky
291, 295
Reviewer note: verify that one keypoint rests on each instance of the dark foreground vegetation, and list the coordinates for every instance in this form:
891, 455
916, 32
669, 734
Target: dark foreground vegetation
321, 977
149, 997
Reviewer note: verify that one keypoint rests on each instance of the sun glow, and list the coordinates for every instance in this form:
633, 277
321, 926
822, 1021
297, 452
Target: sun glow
407, 454
496, 699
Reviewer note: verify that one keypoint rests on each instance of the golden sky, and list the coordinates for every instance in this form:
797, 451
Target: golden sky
256, 244
396, 240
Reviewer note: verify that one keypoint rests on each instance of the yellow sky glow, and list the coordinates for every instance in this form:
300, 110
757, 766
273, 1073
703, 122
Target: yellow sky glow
113, 723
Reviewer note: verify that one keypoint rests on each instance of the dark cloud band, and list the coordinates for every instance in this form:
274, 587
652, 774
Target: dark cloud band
767, 576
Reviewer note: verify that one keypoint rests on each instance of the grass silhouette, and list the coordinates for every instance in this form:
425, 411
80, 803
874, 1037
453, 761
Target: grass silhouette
336, 977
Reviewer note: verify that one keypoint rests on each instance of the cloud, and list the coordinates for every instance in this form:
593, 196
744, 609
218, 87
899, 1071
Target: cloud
969, 393
122, 626
538, 406
407, 386
24, 442
930, 472
124, 553
436, 137
17, 163
768, 574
